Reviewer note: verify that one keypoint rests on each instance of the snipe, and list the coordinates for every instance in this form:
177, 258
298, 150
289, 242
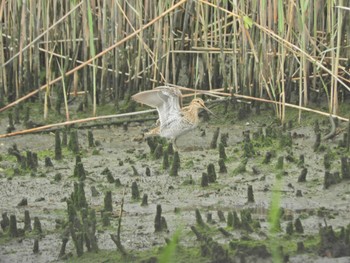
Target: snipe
173, 121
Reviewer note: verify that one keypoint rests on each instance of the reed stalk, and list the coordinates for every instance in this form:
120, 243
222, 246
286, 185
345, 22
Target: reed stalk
92, 54
280, 50
213, 92
88, 61
3, 82
334, 102
63, 18
64, 90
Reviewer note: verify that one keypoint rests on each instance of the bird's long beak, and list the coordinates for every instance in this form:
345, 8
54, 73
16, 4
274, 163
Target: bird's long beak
204, 107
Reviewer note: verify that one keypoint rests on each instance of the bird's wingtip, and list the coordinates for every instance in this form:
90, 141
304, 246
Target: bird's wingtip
136, 97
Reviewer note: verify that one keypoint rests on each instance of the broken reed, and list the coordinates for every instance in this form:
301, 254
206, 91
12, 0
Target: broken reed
260, 48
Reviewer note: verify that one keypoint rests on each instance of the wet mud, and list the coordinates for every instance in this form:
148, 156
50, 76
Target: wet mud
116, 161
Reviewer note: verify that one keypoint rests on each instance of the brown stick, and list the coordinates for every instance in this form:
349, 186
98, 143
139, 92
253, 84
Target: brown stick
67, 123
216, 92
116, 238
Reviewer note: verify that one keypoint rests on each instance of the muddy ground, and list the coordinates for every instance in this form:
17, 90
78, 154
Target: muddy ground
118, 151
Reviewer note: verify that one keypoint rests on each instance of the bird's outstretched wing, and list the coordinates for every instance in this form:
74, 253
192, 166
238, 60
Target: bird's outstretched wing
165, 99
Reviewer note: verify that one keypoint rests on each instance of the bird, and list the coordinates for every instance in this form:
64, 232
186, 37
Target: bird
173, 121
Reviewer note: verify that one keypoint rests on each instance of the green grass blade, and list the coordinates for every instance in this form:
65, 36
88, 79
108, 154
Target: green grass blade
168, 253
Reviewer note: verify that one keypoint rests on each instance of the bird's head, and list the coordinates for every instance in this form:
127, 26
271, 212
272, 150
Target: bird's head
199, 103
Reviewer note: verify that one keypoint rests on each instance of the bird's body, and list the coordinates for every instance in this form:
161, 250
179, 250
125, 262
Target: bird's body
174, 121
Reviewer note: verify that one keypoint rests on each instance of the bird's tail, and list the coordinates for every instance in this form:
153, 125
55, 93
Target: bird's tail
153, 132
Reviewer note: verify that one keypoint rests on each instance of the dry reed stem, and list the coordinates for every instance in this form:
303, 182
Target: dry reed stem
278, 103
214, 92
215, 50
95, 57
67, 123
42, 34
343, 7
334, 103
148, 50
218, 92
291, 47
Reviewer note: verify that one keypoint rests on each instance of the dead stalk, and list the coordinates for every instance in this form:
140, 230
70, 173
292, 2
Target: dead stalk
97, 56
116, 238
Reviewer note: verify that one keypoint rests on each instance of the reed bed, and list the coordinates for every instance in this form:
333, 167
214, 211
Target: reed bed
289, 52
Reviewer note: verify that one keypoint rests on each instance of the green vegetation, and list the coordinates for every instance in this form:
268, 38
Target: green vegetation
286, 61
274, 222
181, 254
169, 252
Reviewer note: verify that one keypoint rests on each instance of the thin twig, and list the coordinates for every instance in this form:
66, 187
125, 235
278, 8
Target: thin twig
116, 238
